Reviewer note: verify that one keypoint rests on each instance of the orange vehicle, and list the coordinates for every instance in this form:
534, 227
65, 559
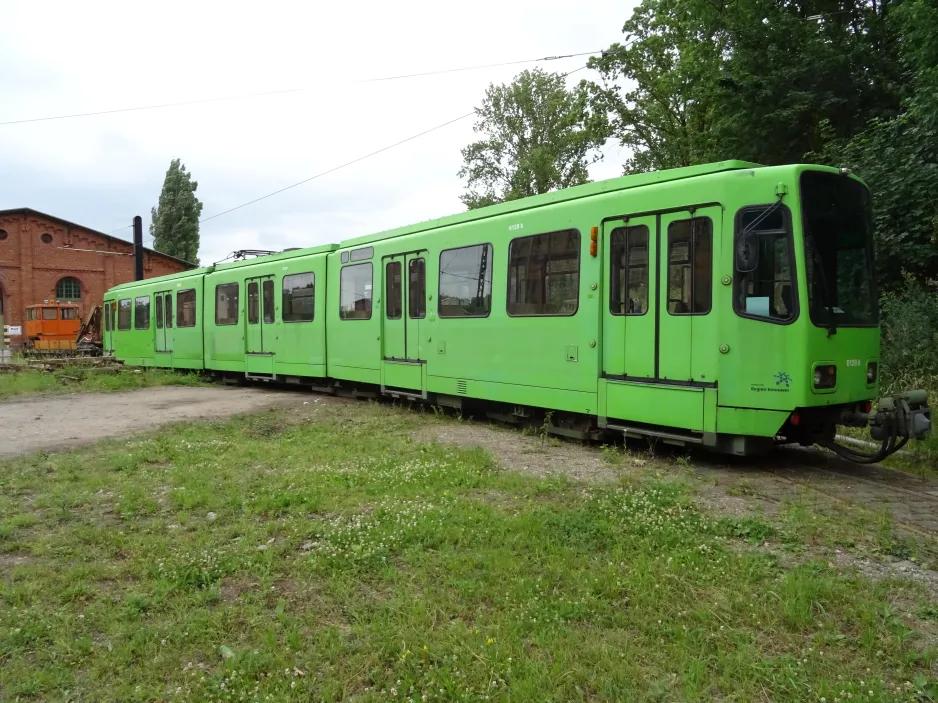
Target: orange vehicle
52, 327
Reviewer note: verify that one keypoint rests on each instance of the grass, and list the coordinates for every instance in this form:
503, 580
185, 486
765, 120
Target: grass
269, 558
71, 379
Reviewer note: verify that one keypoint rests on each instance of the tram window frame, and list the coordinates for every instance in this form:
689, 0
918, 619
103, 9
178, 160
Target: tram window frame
228, 321
417, 294
142, 312
692, 261
442, 272
125, 308
369, 289
181, 305
625, 268
517, 284
107, 315
739, 277
287, 298
393, 290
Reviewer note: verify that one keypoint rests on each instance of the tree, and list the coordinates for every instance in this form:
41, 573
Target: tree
174, 223
538, 136
750, 79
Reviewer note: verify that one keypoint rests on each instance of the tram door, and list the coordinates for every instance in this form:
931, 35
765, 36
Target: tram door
107, 342
629, 289
259, 338
163, 303
403, 309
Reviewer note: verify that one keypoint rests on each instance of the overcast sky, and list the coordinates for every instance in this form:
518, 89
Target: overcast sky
63, 58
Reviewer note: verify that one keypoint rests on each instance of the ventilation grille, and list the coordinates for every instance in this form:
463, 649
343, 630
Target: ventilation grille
461, 388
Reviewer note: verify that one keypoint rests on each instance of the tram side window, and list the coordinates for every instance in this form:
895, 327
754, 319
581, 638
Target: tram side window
466, 281
417, 289
690, 266
159, 312
355, 299
544, 274
185, 308
123, 314
168, 310
299, 297
142, 313
393, 291
766, 291
107, 316
628, 270
253, 303
267, 291
69, 313
226, 304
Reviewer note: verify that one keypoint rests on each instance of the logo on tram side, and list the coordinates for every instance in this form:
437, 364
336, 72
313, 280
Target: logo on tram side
782, 383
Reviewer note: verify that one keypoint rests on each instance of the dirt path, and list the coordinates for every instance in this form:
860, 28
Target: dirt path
63, 421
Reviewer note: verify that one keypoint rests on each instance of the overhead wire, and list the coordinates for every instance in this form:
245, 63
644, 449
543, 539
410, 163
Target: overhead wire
286, 91
355, 161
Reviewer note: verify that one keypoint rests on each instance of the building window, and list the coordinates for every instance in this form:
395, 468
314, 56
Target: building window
123, 314
226, 304
298, 301
393, 291
185, 308
142, 313
46, 238
355, 298
690, 266
466, 281
68, 288
3, 234
628, 270
544, 274
417, 290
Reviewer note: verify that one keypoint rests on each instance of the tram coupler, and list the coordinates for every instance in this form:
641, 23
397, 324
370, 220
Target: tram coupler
906, 415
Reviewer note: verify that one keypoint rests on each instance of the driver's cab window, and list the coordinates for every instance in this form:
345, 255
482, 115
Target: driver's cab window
764, 281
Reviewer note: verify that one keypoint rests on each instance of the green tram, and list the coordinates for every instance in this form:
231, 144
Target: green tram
728, 305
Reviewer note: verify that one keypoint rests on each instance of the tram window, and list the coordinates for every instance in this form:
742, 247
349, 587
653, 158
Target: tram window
50, 313
69, 313
107, 316
466, 281
142, 313
226, 304
123, 314
298, 301
690, 266
267, 290
767, 291
168, 310
185, 308
628, 270
544, 274
393, 293
355, 298
253, 304
362, 254
417, 289
159, 312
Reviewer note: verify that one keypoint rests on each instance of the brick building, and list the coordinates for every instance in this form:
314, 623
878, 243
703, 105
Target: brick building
47, 258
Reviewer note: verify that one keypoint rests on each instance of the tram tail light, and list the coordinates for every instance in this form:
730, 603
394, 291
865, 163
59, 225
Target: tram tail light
594, 240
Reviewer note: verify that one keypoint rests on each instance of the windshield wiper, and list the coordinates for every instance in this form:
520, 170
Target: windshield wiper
825, 290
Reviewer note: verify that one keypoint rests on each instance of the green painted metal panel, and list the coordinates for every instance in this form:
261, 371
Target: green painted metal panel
668, 406
399, 374
755, 423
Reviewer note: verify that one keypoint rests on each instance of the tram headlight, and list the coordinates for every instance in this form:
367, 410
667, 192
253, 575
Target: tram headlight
825, 376
872, 372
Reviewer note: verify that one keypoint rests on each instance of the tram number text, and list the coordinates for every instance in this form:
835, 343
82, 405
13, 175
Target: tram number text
853, 362
512, 228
